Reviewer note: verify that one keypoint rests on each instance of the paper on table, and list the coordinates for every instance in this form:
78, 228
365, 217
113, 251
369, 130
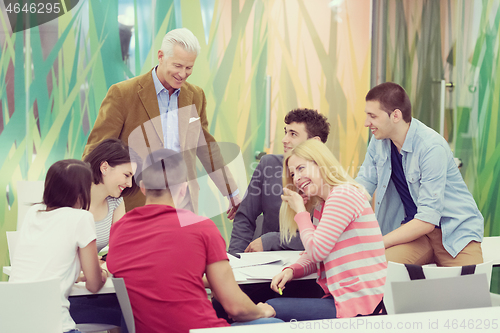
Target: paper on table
239, 276
261, 272
232, 259
265, 271
252, 259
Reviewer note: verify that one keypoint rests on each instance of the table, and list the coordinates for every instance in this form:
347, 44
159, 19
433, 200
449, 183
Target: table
464, 320
79, 288
264, 273
490, 247
247, 275
270, 270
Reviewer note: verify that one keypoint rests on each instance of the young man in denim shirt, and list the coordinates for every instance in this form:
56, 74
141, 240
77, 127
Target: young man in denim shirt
425, 211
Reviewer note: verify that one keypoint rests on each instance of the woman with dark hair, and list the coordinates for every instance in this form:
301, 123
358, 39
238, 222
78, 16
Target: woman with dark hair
113, 166
57, 238
113, 169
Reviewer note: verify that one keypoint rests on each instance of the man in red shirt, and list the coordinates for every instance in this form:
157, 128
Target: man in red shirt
163, 253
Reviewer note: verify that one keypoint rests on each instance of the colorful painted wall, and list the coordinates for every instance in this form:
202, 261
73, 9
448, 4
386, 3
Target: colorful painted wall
53, 77
458, 41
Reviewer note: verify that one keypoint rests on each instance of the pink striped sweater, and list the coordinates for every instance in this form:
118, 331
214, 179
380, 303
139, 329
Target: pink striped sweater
346, 250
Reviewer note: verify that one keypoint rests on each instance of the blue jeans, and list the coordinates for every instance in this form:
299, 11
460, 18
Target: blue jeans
258, 322
260, 292
304, 308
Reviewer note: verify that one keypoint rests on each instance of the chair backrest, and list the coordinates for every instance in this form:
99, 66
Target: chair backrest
122, 295
491, 249
28, 193
398, 273
11, 243
30, 307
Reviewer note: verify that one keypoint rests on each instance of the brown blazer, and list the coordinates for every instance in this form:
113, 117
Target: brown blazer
130, 112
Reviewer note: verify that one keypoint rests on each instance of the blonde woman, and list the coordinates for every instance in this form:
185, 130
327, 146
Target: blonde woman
346, 247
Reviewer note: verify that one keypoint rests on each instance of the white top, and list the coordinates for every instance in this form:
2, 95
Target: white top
48, 247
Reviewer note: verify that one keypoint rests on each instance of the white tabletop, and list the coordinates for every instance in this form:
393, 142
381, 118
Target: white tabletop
79, 288
465, 320
264, 273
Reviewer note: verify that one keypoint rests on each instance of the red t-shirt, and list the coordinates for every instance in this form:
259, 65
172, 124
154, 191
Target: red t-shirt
162, 254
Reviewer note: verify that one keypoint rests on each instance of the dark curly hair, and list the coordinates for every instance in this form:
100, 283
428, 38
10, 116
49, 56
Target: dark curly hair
316, 123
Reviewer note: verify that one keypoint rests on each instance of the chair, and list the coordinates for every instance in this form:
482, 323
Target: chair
491, 249
28, 193
398, 273
35, 307
122, 295
12, 237
495, 299
30, 307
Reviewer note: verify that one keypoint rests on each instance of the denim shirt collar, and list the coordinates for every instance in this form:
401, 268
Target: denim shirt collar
410, 136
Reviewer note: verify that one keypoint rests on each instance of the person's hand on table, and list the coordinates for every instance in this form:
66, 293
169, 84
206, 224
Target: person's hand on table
267, 310
278, 282
81, 278
103, 265
104, 270
255, 246
104, 274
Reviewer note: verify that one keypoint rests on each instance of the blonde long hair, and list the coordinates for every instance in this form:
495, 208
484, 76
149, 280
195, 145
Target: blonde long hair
331, 172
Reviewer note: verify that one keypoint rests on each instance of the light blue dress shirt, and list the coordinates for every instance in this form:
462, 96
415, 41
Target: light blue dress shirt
169, 114
435, 183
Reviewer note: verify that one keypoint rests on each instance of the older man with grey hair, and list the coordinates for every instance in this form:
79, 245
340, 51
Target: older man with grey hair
160, 109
